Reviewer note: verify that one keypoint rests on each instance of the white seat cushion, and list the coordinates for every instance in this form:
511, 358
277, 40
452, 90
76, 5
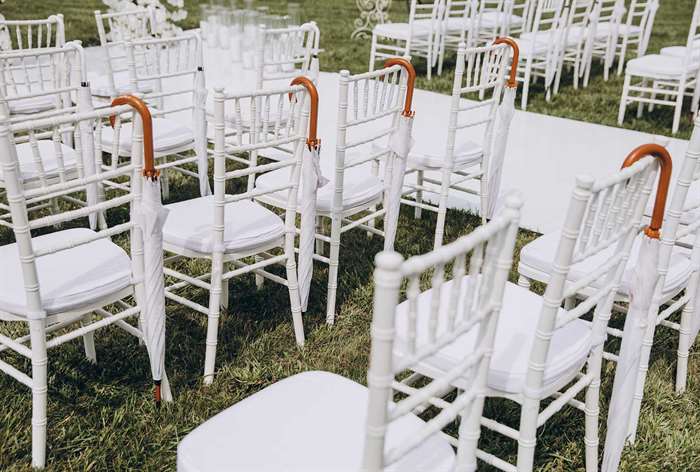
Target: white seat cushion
680, 51
431, 157
658, 66
248, 226
310, 422
514, 337
359, 187
47, 151
68, 279
544, 38
528, 48
400, 30
31, 105
536, 262
100, 87
622, 29
168, 135
495, 18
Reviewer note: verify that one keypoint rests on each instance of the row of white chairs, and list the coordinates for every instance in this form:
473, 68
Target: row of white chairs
552, 34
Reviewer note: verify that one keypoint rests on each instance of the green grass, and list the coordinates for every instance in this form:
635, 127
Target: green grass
101, 417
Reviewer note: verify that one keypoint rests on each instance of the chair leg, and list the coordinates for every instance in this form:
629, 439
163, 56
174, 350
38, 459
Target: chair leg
215, 293
165, 184
623, 100
684, 343
640, 105
89, 345
418, 211
373, 53
37, 331
696, 95
524, 282
333, 268
592, 412
526, 90
319, 230
528, 434
442, 209
259, 279
294, 298
621, 61
679, 110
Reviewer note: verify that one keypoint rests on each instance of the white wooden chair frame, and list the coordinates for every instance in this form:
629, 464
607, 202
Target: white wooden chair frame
491, 248
33, 34
115, 29
640, 13
127, 301
666, 89
287, 129
470, 78
177, 64
583, 16
426, 46
286, 53
368, 98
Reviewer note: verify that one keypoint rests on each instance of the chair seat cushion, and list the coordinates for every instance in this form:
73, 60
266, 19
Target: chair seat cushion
496, 18
29, 105
310, 422
168, 135
68, 279
100, 87
622, 29
400, 30
536, 262
360, 187
529, 48
47, 151
515, 334
680, 52
248, 226
428, 156
658, 66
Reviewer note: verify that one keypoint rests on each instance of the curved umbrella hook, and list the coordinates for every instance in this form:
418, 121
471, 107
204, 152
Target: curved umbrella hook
149, 170
664, 157
513, 79
411, 85
312, 141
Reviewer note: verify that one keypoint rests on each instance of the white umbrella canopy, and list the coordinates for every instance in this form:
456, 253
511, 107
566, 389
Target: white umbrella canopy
646, 278
506, 110
311, 181
400, 144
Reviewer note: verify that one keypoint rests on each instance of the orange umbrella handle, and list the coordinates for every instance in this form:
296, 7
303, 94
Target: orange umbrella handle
513, 79
312, 141
662, 154
141, 108
411, 85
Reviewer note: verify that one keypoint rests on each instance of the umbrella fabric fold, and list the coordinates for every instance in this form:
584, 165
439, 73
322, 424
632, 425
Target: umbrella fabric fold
152, 218
646, 278
312, 179
400, 144
506, 110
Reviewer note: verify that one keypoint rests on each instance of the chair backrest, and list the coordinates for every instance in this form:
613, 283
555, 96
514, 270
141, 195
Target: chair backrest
611, 11
35, 81
692, 51
172, 69
580, 12
430, 14
641, 13
480, 70
545, 15
604, 217
116, 28
86, 126
18, 35
479, 264
234, 136
285, 53
369, 106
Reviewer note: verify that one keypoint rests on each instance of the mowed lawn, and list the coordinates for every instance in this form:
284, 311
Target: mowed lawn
101, 417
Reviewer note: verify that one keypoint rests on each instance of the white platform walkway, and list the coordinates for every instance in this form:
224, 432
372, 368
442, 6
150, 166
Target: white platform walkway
544, 154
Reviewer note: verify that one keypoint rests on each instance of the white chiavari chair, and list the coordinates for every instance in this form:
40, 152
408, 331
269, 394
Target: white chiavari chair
419, 37
543, 351
115, 29
323, 421
606, 35
635, 30
578, 38
369, 107
664, 79
285, 53
36, 81
173, 68
462, 162
457, 21
228, 228
541, 44
104, 285
18, 35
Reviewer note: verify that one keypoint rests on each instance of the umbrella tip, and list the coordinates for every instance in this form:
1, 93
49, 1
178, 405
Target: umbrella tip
157, 393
